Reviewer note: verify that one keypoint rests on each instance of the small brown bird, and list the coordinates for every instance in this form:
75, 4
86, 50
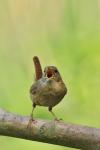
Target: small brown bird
48, 88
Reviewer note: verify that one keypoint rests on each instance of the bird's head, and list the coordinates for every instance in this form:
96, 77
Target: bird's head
51, 72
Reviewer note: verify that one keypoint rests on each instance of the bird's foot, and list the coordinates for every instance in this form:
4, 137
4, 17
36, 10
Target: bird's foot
31, 121
56, 119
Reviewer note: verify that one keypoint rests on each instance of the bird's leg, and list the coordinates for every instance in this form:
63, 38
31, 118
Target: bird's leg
55, 117
34, 105
31, 116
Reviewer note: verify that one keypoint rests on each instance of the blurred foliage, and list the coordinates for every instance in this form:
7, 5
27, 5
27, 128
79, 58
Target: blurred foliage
64, 33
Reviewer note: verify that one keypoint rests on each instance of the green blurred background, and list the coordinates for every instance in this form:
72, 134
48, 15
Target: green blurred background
64, 33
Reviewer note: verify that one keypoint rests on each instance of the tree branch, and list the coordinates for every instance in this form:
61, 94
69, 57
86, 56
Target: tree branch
54, 132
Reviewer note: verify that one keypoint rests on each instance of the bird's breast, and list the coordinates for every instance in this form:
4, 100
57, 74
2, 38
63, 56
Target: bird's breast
48, 93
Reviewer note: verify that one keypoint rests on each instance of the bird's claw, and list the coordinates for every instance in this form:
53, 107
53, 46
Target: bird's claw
31, 121
56, 119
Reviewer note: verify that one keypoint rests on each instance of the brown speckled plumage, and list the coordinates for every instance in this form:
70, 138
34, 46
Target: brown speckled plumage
49, 89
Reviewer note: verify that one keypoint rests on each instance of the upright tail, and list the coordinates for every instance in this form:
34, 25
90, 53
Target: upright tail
38, 68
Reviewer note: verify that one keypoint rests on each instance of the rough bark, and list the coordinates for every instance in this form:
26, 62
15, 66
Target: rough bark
54, 132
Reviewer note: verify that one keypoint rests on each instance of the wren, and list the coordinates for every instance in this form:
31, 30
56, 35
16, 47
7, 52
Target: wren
48, 89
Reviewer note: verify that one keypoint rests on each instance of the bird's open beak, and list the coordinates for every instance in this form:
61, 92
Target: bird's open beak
49, 73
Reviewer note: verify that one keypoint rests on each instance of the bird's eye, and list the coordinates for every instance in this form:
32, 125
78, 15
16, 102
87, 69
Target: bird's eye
56, 71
